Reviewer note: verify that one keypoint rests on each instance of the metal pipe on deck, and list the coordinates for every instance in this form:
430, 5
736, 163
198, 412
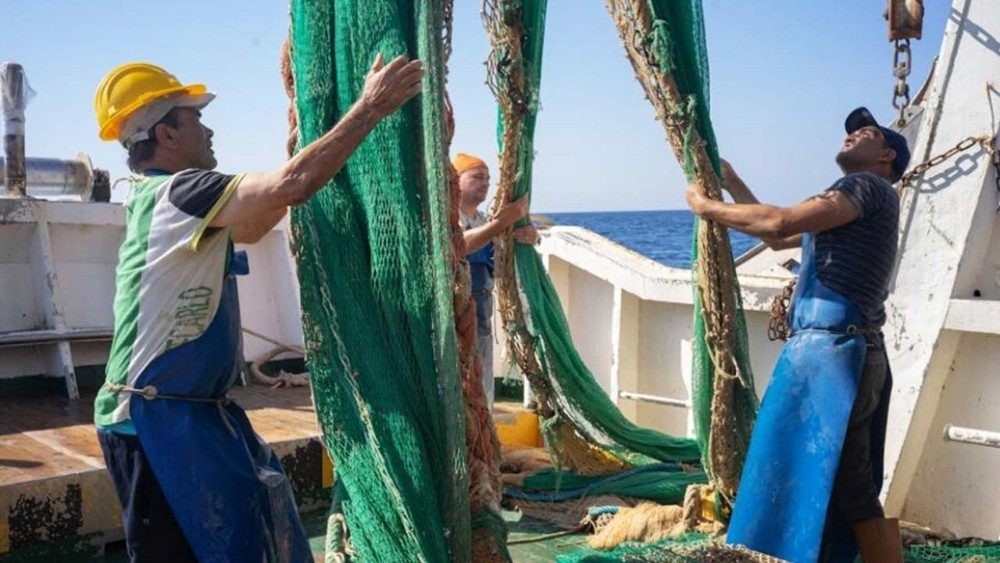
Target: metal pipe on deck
56, 177
668, 401
975, 436
14, 91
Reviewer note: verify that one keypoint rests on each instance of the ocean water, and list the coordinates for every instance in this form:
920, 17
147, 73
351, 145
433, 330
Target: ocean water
664, 236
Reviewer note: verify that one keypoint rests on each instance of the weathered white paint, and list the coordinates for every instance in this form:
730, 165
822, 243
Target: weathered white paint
49, 274
269, 295
57, 271
974, 315
945, 253
954, 484
954, 433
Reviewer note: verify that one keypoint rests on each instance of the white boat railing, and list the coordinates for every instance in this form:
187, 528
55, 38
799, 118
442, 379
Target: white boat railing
631, 322
668, 401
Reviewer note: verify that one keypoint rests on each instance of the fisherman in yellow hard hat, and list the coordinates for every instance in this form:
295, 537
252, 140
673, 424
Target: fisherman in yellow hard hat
194, 480
480, 230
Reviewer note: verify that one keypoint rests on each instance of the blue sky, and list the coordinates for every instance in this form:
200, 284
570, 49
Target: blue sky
784, 74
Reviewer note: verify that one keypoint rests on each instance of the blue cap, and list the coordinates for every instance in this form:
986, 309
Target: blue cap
861, 117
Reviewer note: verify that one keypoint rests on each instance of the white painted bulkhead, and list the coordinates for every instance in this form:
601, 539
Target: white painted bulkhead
941, 361
632, 318
57, 274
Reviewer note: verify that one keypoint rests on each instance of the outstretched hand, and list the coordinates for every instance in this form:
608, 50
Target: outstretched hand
389, 86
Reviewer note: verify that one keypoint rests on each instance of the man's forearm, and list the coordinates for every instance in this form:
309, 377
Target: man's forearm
478, 237
309, 170
740, 191
756, 219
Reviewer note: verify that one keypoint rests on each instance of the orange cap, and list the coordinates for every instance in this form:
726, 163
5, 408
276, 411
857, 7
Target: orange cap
464, 161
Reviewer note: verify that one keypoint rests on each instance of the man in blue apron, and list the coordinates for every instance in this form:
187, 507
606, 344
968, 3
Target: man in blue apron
810, 487
194, 480
473, 185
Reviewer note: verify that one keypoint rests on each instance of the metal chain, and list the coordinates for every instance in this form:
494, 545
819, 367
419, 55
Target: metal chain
777, 327
901, 70
965, 144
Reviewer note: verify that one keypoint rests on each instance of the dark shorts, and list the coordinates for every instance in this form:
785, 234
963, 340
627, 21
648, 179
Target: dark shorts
859, 475
151, 532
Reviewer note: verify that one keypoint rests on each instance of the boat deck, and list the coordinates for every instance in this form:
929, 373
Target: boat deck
57, 502
56, 499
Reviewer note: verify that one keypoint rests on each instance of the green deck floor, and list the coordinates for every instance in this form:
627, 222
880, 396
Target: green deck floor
520, 527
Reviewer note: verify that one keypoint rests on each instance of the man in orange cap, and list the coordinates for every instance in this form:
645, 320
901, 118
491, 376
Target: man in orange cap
473, 184
194, 480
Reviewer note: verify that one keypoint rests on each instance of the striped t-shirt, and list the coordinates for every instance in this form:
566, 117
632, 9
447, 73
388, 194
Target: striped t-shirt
856, 260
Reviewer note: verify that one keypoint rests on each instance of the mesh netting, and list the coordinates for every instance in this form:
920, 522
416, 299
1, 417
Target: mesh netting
585, 430
539, 339
665, 42
687, 548
697, 547
988, 553
660, 482
375, 266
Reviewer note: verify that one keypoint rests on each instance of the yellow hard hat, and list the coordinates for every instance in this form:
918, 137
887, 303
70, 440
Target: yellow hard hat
128, 88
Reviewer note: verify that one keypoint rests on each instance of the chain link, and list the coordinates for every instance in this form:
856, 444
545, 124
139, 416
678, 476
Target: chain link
448, 9
901, 70
965, 144
777, 327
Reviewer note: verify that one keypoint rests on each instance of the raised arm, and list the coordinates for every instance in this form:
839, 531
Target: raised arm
478, 237
251, 231
823, 212
260, 199
741, 193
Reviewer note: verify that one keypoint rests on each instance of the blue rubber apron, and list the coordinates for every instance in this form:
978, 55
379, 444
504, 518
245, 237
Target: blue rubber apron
225, 487
481, 276
784, 492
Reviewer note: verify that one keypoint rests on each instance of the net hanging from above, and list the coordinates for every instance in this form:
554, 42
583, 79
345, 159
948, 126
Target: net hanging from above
585, 431
415, 453
665, 43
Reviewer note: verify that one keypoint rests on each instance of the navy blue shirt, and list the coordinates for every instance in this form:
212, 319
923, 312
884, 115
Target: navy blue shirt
857, 259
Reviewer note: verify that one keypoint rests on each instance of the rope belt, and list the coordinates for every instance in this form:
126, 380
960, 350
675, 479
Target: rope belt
150, 393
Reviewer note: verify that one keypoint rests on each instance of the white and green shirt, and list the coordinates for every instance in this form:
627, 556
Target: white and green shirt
169, 280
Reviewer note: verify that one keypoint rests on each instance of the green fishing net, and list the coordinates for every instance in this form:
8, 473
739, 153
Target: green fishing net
579, 399
658, 482
373, 255
988, 552
678, 44
696, 547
